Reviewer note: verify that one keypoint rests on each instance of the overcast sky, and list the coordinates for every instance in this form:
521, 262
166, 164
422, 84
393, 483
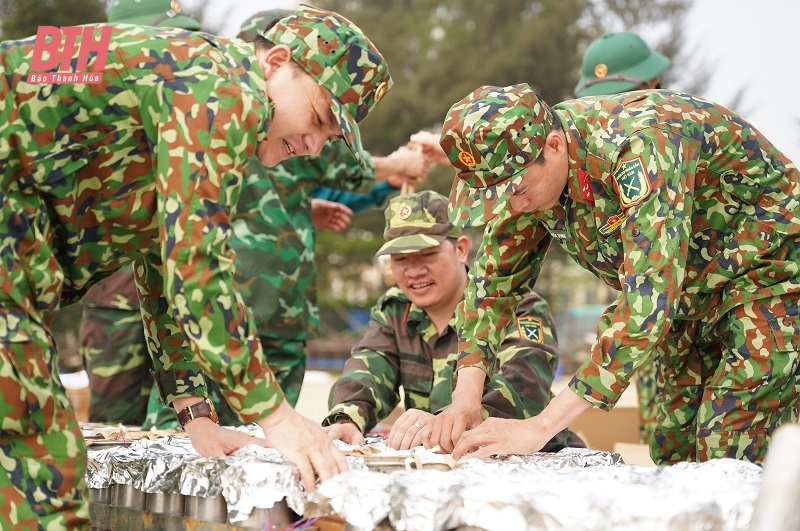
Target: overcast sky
751, 46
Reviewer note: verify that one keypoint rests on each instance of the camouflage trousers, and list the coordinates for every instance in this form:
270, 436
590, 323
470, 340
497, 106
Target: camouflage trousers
114, 351
286, 359
722, 388
646, 391
42, 482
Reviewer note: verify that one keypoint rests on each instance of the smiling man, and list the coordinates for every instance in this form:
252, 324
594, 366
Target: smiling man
678, 203
412, 340
147, 166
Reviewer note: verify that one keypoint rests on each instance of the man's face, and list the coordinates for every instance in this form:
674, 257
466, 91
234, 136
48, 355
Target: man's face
542, 183
433, 278
302, 120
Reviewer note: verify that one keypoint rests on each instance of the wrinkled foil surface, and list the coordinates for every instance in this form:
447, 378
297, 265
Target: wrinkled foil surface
416, 490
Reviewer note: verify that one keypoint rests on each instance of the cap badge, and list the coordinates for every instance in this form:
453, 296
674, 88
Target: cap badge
380, 91
601, 70
175, 6
466, 159
405, 212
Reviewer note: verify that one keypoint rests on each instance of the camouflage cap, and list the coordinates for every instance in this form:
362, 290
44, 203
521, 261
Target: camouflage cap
618, 62
258, 22
162, 13
416, 221
336, 53
490, 137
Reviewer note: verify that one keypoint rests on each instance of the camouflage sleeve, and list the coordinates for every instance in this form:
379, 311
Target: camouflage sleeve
369, 388
342, 171
190, 302
505, 269
654, 243
527, 361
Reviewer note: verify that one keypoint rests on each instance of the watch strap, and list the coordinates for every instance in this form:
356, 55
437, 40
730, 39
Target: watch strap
200, 409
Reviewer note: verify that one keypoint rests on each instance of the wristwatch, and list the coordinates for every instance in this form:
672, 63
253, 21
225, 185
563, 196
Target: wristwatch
200, 409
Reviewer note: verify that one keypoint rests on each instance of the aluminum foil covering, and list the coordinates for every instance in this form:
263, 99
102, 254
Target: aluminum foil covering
572, 489
258, 477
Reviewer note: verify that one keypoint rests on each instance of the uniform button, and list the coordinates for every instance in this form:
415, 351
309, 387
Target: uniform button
635, 232
76, 155
729, 178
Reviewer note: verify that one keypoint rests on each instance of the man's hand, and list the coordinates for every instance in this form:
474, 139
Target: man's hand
330, 215
429, 144
304, 443
346, 432
407, 430
464, 413
212, 440
510, 436
402, 166
500, 436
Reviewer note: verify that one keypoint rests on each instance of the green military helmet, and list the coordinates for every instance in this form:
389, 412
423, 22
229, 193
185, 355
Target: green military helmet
618, 62
260, 22
163, 13
416, 221
337, 54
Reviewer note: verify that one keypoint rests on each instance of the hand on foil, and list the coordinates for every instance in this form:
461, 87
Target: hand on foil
304, 443
212, 440
501, 436
346, 432
464, 412
409, 429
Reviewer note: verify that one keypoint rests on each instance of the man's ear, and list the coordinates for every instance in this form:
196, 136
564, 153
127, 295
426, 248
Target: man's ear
272, 59
555, 142
462, 248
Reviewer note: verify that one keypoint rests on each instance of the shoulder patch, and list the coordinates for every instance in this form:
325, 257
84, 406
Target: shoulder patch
632, 182
531, 328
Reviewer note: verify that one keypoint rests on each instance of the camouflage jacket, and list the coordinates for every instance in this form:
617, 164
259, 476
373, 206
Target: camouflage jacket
147, 165
403, 348
274, 240
677, 202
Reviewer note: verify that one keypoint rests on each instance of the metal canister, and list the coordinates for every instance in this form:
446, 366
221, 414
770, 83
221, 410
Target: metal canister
206, 509
166, 503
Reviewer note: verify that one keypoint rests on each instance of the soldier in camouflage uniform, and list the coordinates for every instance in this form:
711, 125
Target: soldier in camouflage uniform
274, 238
412, 340
111, 339
615, 63
147, 165
677, 202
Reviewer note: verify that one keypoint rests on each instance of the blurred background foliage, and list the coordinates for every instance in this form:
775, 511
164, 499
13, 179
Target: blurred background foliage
438, 52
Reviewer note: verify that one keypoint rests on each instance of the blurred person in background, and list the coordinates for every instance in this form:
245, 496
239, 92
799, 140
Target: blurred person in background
619, 62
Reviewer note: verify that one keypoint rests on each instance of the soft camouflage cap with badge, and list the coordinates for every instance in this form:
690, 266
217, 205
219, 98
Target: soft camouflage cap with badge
162, 13
416, 221
336, 53
257, 23
490, 137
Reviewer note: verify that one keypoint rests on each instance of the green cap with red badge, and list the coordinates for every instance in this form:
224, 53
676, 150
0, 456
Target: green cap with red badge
490, 138
415, 222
